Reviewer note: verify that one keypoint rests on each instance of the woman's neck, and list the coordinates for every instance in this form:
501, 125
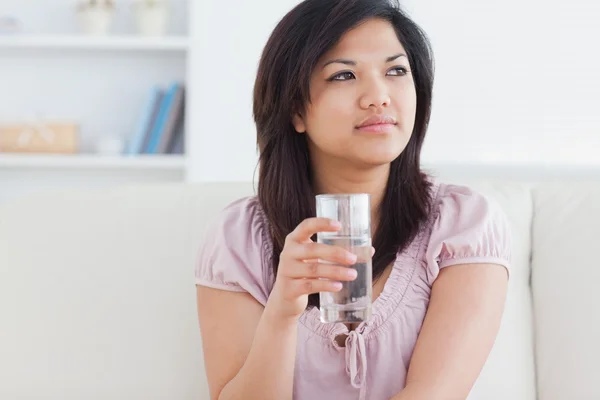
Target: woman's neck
346, 179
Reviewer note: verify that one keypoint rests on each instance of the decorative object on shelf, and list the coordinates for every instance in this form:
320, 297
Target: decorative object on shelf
10, 25
152, 17
37, 136
96, 16
109, 145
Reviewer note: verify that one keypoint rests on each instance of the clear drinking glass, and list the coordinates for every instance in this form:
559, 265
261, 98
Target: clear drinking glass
353, 211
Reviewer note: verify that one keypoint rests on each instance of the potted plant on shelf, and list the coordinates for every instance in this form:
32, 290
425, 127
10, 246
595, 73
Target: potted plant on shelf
152, 16
96, 16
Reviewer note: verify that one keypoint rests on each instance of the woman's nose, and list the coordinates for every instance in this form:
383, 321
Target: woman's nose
375, 94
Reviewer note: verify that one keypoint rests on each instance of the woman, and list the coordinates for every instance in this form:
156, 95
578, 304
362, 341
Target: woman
341, 104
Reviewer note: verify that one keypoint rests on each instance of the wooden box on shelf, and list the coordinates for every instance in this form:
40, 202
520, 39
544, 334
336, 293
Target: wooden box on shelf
50, 138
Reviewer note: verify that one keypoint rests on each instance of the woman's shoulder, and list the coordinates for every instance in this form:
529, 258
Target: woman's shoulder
468, 226
455, 200
246, 208
241, 224
234, 251
240, 221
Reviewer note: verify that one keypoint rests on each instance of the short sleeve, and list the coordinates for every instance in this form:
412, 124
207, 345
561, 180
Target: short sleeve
469, 229
232, 254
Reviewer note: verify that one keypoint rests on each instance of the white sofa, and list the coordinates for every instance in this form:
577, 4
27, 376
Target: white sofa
97, 296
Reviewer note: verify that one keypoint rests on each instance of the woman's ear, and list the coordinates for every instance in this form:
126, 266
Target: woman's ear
299, 124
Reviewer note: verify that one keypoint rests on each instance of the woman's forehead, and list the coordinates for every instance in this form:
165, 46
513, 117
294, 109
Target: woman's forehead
373, 39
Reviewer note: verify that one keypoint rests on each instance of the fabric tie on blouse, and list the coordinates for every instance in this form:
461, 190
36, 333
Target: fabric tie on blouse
356, 362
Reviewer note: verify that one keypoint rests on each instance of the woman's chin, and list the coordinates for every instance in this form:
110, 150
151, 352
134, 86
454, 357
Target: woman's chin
380, 156
378, 159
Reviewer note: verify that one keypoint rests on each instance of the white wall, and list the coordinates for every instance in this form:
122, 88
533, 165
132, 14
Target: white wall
224, 57
517, 81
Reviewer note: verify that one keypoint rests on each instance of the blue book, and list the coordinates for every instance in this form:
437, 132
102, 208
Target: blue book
145, 121
161, 119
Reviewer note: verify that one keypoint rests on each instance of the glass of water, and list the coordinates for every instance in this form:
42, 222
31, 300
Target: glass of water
353, 211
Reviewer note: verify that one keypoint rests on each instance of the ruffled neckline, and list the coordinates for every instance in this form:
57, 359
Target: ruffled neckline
403, 271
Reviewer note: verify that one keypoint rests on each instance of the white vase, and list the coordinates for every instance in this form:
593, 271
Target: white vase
96, 21
152, 20
110, 146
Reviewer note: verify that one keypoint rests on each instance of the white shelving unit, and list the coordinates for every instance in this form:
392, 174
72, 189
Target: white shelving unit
79, 42
55, 72
76, 162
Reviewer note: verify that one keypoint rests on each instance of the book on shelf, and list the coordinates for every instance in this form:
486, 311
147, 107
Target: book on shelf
160, 125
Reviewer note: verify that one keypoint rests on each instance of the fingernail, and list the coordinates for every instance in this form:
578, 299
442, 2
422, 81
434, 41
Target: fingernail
351, 257
336, 224
351, 273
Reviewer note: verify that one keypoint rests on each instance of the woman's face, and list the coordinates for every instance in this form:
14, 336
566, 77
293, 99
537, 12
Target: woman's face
363, 99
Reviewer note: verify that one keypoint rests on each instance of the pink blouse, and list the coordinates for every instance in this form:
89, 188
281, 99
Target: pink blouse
463, 227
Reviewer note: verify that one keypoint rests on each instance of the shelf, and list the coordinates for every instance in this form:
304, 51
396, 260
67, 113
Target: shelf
160, 162
82, 42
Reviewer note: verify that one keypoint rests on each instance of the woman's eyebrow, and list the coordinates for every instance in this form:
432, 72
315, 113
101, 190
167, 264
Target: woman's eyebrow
346, 61
393, 58
340, 61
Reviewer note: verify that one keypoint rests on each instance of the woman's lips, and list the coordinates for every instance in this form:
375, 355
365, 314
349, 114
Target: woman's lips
377, 124
377, 128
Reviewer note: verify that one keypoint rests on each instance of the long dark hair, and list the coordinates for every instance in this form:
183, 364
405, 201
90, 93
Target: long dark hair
282, 88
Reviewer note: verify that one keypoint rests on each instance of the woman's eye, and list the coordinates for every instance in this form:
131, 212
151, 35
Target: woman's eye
343, 76
398, 71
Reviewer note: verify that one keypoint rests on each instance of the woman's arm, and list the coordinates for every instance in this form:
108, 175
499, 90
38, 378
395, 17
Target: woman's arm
463, 318
247, 353
250, 350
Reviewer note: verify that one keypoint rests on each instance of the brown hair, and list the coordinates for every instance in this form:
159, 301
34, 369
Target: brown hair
282, 88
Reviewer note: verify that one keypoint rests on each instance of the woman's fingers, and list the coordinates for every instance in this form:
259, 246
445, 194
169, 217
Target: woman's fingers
320, 251
309, 227
309, 286
322, 270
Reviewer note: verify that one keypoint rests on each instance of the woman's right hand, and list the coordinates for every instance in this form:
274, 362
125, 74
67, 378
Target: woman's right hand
299, 273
